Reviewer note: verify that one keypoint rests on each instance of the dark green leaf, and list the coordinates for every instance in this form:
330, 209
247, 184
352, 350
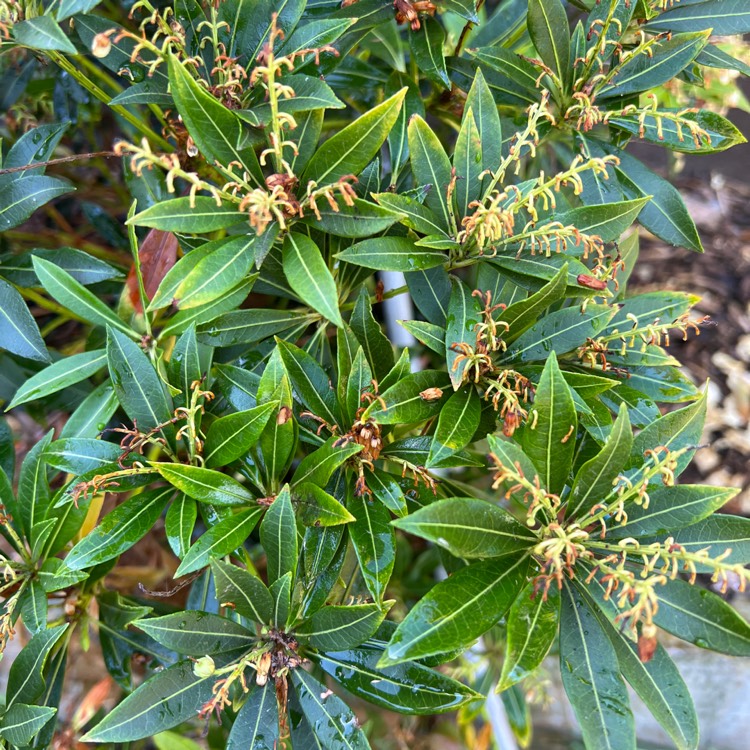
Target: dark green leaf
230, 437
404, 402
361, 219
43, 32
205, 485
19, 333
257, 724
249, 326
315, 507
723, 17
548, 28
179, 524
462, 319
278, 535
21, 723
392, 254
457, 423
245, 591
342, 627
427, 48
20, 198
375, 344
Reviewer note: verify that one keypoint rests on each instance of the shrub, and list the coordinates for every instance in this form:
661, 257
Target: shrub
243, 406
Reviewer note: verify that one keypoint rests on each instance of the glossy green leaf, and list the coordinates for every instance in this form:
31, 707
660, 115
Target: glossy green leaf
21, 723
20, 198
205, 485
315, 507
548, 439
374, 543
222, 539
392, 254
717, 534
548, 28
249, 326
120, 529
463, 317
672, 508
404, 402
25, 681
467, 161
318, 467
532, 625
431, 167
607, 221
468, 528
596, 478
342, 627
189, 215
43, 32
216, 130
278, 535
243, 590
408, 688
352, 148
309, 276
591, 677
257, 723
19, 333
457, 423
230, 437
335, 726
427, 48
77, 298
375, 344
361, 219
192, 633
138, 387
61, 374
455, 612
647, 71
79, 455
179, 524
702, 618
413, 214
165, 700
723, 17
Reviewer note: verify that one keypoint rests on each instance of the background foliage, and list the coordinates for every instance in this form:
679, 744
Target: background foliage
212, 337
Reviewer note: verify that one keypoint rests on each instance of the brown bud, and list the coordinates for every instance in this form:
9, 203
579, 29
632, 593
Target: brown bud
431, 394
284, 415
591, 282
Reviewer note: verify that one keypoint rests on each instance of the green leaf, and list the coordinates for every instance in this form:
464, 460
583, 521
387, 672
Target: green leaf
192, 633
279, 439
375, 344
202, 276
404, 403
457, 423
216, 130
138, 387
455, 612
79, 455
374, 543
431, 291
723, 17
361, 219
507, 70
659, 685
431, 167
21, 723
308, 275
413, 214
468, 528
94, 412
179, 524
189, 215
315, 507
61, 374
702, 618
342, 627
671, 128
591, 677
479, 100
76, 297
676, 430
665, 215
249, 326
165, 700
310, 381
716, 534
43, 32
427, 48
33, 487
257, 723
548, 439
205, 485
596, 478
20, 198
222, 539
387, 490
467, 161
281, 590
278, 535
672, 508
433, 337
335, 726
463, 317
559, 332
120, 529
532, 627
409, 688
392, 254
19, 333
714, 57
231, 437
245, 591
607, 221
549, 31
398, 142
25, 682
351, 149
665, 60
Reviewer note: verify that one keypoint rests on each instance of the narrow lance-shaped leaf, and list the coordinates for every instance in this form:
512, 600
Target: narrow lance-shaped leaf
342, 627
244, 591
278, 535
19, 333
230, 437
462, 319
548, 27
457, 423
257, 722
